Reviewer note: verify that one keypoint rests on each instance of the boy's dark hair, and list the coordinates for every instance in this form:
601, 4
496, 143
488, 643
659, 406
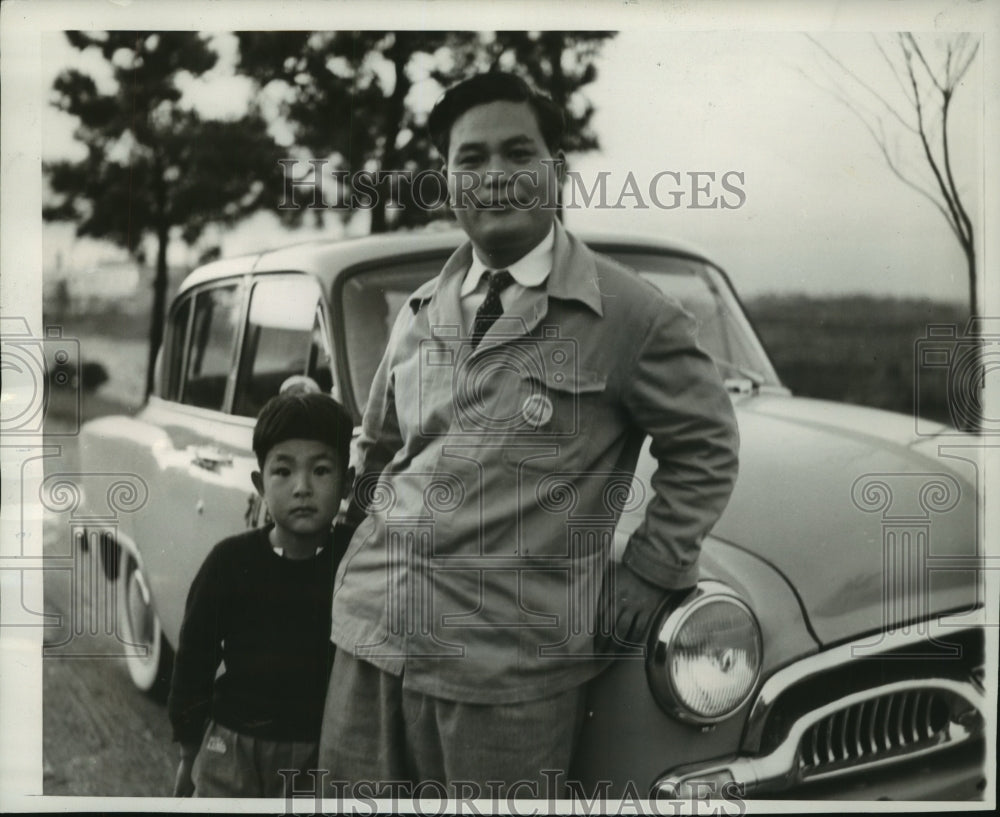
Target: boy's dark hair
297, 416
495, 86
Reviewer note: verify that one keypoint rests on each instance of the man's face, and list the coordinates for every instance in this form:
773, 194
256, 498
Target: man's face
502, 180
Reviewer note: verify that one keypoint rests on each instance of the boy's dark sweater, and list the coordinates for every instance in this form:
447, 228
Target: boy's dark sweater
267, 618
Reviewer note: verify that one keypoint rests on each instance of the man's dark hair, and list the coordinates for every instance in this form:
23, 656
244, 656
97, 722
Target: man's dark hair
296, 416
496, 86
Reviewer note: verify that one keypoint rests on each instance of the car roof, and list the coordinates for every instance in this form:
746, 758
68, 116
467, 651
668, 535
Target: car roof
326, 258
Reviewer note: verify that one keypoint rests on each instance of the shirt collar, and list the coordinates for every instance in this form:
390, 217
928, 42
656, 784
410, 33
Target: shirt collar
573, 276
281, 552
529, 270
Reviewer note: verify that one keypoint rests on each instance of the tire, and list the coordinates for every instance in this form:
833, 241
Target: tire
149, 657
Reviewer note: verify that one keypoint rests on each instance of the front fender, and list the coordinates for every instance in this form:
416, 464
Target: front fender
116, 459
626, 736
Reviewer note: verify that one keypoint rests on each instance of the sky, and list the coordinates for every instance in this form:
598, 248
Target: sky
820, 212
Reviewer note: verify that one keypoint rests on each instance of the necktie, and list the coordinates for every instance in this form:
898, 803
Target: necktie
491, 308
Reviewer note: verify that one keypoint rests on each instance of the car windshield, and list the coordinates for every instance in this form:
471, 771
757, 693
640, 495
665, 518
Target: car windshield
723, 329
373, 297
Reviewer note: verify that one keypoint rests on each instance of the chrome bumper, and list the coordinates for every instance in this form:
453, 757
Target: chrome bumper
863, 731
846, 736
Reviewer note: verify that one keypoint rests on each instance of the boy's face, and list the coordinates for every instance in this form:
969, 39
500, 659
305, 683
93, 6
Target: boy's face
502, 179
302, 484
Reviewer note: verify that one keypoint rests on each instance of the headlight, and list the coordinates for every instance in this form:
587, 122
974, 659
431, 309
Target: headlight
706, 659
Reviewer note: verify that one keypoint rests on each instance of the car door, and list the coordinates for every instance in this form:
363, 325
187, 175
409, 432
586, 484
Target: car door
231, 346
197, 447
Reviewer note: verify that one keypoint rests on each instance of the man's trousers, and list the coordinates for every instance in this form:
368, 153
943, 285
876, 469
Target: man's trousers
375, 730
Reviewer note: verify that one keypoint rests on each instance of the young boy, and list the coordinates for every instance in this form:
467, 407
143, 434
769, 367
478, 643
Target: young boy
260, 605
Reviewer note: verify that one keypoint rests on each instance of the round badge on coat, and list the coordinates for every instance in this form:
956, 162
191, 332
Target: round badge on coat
536, 410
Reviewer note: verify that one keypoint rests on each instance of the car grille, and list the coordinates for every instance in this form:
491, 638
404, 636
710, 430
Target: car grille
881, 728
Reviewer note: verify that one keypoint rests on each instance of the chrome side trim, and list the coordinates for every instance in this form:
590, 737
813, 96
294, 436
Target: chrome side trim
781, 769
819, 663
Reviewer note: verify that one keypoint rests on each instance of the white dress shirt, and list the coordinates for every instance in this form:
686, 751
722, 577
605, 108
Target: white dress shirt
530, 270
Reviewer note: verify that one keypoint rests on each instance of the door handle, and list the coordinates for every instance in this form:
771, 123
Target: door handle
210, 457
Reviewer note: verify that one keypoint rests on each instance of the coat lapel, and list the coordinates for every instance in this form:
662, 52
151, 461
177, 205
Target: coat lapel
573, 277
519, 319
444, 310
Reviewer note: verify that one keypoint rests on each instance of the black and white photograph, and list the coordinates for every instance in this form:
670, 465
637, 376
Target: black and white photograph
523, 408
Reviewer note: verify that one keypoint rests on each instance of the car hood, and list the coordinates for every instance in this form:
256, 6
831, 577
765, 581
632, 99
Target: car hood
872, 525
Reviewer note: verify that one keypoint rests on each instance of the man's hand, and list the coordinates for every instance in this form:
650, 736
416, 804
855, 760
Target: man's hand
632, 609
183, 782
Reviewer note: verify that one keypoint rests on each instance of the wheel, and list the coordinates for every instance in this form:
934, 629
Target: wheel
149, 657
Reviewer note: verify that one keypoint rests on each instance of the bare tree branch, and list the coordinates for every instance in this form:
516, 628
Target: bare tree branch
882, 143
964, 221
920, 55
867, 119
893, 69
929, 93
889, 108
961, 71
928, 153
859, 109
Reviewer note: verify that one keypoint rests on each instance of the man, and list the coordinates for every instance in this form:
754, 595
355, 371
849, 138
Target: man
515, 394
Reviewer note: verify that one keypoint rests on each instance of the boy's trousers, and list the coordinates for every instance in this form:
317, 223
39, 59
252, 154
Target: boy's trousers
230, 764
374, 730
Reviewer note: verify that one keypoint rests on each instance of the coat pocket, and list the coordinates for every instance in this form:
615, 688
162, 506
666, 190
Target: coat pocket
556, 415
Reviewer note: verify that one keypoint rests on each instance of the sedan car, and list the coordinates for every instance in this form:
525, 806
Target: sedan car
834, 645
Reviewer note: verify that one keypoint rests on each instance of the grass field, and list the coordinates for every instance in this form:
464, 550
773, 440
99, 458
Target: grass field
854, 349
857, 349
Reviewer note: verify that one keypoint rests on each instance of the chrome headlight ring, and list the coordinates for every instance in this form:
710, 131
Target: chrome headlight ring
705, 659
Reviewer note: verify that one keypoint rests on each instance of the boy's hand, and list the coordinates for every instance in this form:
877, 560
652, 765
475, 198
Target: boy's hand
183, 782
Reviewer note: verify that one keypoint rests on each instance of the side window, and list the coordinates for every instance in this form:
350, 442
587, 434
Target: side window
283, 338
176, 344
213, 342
